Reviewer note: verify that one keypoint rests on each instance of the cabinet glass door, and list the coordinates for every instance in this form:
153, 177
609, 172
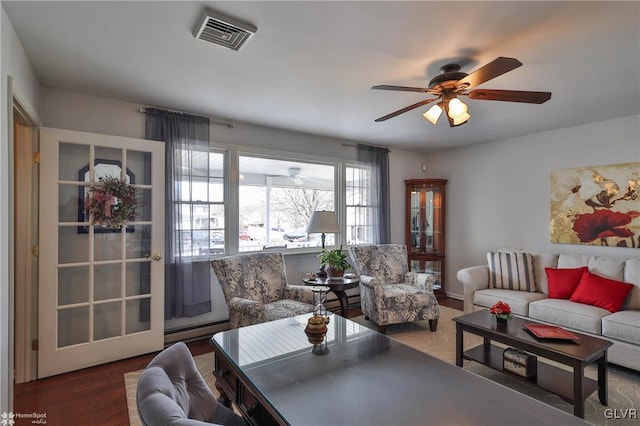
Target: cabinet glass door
424, 219
433, 267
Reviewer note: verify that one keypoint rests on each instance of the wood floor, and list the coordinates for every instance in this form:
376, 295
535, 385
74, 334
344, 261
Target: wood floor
96, 395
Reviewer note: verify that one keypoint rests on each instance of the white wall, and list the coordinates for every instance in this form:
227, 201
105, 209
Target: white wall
25, 87
403, 165
498, 192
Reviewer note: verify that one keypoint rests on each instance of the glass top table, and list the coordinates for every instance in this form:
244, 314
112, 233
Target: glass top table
366, 378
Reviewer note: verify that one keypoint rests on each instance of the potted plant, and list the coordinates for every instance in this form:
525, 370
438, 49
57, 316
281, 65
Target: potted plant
334, 261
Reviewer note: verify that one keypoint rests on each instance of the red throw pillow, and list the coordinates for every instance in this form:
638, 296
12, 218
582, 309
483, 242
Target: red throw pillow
601, 292
563, 282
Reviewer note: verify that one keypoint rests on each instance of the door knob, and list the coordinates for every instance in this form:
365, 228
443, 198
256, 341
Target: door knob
156, 256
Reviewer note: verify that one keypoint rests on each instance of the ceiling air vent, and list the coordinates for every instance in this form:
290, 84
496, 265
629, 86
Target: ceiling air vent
223, 30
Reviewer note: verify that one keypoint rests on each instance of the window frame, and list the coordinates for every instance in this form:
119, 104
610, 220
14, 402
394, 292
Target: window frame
338, 187
231, 184
194, 203
369, 206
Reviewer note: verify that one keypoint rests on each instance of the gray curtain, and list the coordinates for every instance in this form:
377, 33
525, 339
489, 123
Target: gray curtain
377, 161
187, 283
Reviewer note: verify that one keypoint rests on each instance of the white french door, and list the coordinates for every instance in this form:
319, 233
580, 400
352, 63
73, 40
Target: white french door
101, 290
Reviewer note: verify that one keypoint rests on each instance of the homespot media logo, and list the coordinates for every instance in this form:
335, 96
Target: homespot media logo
9, 419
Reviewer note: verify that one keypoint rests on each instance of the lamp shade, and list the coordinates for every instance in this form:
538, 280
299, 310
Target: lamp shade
457, 108
323, 221
433, 114
461, 119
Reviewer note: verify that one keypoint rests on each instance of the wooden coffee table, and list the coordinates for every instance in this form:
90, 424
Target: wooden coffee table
572, 387
273, 376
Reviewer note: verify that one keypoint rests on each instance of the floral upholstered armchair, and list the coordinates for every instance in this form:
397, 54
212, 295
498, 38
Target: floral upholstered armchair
389, 292
256, 290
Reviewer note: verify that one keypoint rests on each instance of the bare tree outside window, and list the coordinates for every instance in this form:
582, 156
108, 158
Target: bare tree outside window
277, 199
298, 204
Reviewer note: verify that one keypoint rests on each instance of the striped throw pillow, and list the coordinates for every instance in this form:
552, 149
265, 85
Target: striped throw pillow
512, 271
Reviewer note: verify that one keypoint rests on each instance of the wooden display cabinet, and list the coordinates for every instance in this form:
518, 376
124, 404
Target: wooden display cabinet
425, 227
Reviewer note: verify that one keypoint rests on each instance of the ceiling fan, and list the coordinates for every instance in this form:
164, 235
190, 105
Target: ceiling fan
293, 173
452, 83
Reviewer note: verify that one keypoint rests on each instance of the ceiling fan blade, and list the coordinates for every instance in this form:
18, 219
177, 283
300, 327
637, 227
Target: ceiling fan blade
405, 109
403, 88
510, 96
493, 69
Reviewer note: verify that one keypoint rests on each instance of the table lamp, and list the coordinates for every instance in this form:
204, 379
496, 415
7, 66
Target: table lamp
323, 222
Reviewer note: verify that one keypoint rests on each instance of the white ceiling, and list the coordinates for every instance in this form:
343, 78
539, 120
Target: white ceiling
311, 65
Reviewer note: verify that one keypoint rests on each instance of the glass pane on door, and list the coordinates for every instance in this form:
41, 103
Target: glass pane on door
73, 326
72, 247
138, 314
73, 157
107, 320
71, 203
138, 278
108, 162
73, 285
143, 212
139, 242
107, 246
139, 164
107, 281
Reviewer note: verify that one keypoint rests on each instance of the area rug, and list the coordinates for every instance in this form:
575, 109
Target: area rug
624, 385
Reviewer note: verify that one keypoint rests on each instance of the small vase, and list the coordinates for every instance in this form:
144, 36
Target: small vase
501, 323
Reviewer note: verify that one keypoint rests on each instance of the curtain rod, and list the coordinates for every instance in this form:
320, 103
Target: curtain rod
229, 124
374, 146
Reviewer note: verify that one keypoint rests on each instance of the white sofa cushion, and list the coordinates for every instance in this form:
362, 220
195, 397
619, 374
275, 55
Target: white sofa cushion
573, 260
541, 261
512, 271
607, 267
517, 300
569, 314
623, 325
632, 275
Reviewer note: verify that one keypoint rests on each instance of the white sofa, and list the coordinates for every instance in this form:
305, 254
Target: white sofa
622, 328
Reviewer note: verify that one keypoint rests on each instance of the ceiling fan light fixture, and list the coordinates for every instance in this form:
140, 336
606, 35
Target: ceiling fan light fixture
451, 83
432, 114
457, 108
461, 119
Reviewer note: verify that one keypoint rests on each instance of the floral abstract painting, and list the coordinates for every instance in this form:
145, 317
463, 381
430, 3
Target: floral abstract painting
597, 205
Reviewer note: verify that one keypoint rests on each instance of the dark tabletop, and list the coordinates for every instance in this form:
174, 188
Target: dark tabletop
334, 284
369, 379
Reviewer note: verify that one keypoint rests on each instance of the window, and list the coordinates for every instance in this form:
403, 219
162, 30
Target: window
201, 205
359, 208
277, 198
